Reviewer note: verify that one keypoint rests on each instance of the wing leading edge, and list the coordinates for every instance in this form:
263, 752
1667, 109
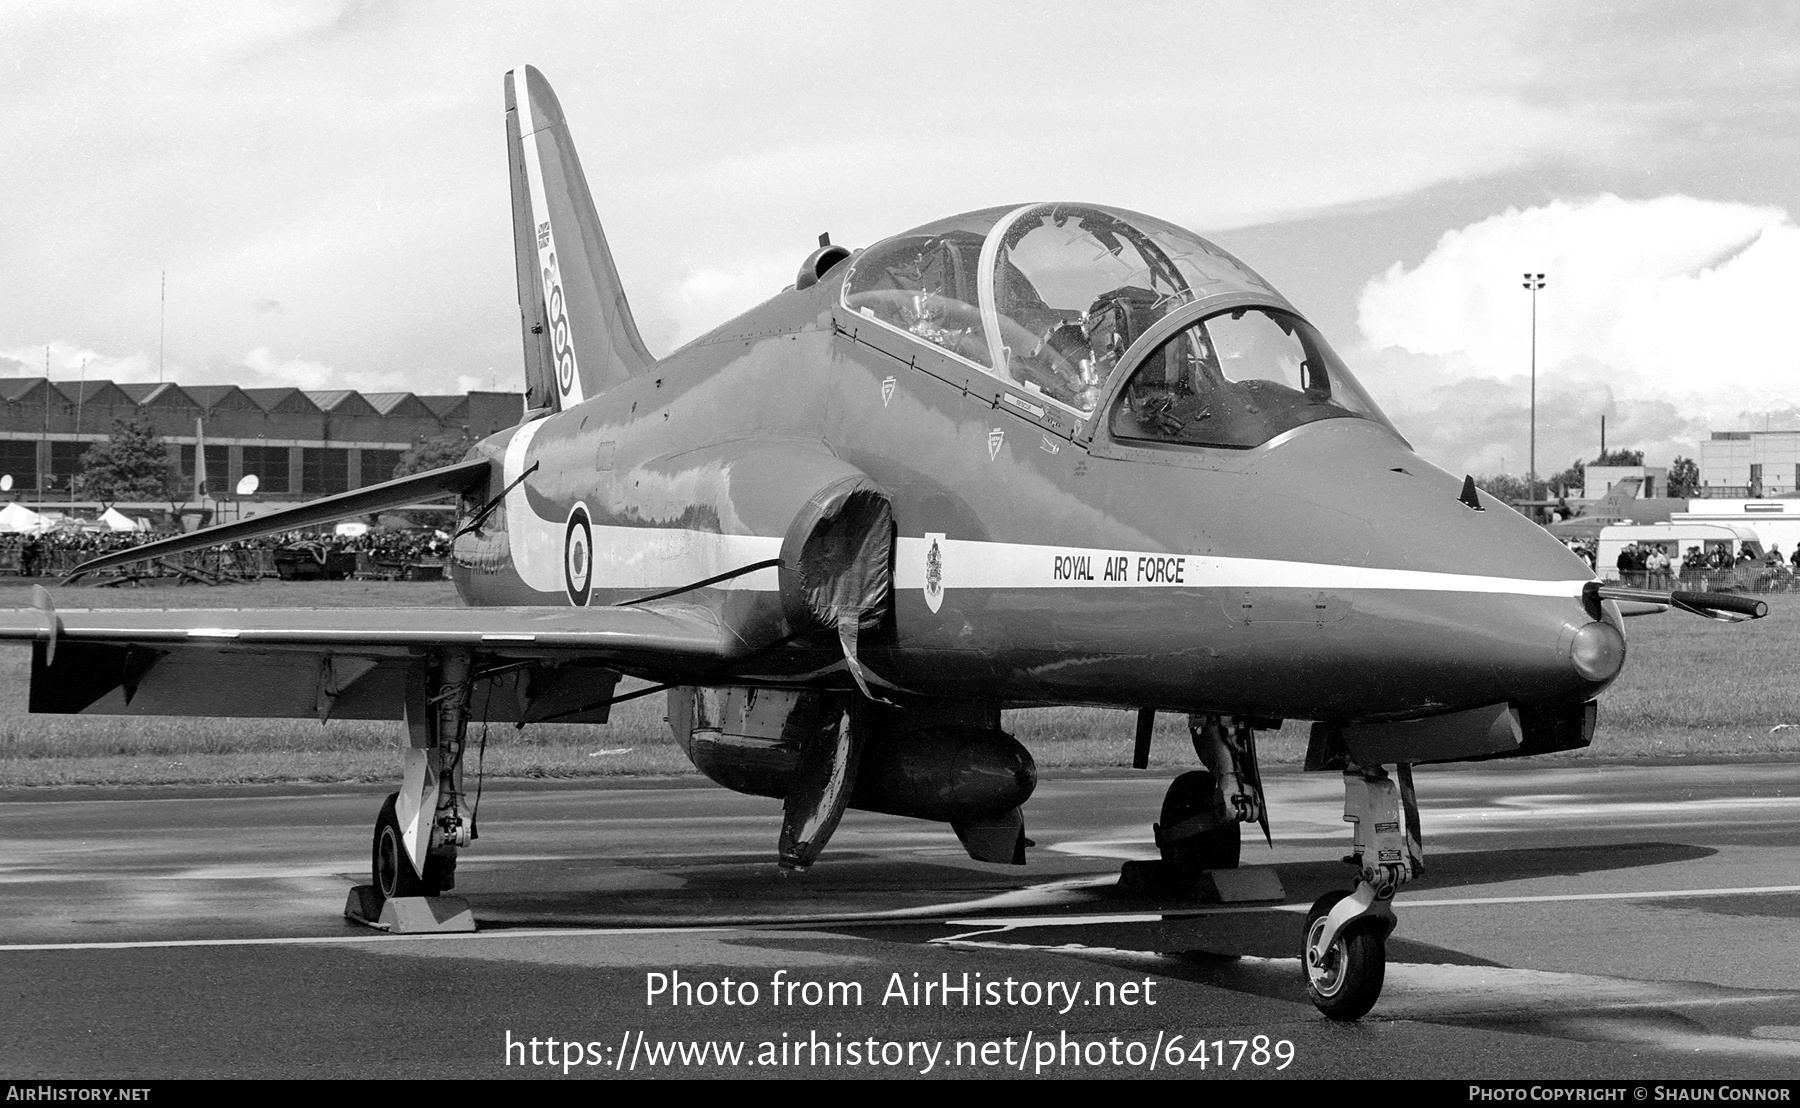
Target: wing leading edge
535, 664
446, 481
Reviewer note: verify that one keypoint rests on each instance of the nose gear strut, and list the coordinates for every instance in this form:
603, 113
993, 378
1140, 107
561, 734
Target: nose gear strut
1345, 952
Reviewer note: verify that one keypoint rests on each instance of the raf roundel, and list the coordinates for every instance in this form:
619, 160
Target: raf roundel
578, 556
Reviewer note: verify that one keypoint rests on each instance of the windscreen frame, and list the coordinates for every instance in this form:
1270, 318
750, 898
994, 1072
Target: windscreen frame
1101, 442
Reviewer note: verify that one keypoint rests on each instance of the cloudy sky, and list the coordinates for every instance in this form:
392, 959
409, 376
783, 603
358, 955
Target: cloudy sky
324, 183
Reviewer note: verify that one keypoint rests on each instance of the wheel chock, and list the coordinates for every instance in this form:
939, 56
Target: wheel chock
1146, 877
364, 905
1213, 886
415, 915
409, 915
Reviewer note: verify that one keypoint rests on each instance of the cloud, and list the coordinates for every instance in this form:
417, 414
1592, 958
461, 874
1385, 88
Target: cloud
291, 372
1664, 315
345, 159
261, 367
69, 361
705, 297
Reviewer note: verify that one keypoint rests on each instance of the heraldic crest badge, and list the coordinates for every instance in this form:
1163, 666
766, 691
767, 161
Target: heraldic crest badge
934, 571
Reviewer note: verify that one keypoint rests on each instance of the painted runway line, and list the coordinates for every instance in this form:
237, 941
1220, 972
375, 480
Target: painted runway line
994, 924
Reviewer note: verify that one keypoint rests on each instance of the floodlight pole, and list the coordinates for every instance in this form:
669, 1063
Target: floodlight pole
1534, 282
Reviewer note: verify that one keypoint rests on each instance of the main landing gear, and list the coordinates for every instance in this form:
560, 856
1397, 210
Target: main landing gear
391, 869
421, 827
1344, 954
1205, 809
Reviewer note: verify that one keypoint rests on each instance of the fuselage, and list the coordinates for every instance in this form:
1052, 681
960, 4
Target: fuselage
1329, 573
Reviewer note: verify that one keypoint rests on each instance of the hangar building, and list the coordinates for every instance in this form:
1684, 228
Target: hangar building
299, 444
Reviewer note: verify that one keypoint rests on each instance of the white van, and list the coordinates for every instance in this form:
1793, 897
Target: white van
1777, 522
1682, 542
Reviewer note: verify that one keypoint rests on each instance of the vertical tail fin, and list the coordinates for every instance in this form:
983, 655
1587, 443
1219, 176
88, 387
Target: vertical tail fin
579, 334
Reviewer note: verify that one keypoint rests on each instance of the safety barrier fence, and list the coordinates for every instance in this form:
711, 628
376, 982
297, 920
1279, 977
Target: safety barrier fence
218, 566
1747, 577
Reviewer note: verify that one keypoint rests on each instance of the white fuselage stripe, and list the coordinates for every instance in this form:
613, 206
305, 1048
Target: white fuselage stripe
639, 558
969, 564
662, 558
536, 544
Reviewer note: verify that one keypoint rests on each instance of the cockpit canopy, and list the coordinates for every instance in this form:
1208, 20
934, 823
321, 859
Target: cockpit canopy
1049, 297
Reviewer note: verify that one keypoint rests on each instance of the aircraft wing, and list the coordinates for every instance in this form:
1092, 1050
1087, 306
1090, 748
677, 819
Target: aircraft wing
535, 663
397, 493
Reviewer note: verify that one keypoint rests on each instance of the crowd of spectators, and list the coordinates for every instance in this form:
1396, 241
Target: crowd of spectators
53, 553
1648, 565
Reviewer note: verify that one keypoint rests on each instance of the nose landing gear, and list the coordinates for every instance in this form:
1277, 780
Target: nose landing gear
1344, 954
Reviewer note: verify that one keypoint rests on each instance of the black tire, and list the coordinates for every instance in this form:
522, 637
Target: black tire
391, 870
1219, 847
1349, 982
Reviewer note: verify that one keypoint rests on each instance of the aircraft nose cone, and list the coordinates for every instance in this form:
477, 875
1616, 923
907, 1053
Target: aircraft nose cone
1464, 605
1598, 651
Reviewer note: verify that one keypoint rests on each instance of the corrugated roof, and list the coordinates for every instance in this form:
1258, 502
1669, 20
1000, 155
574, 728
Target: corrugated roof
442, 406
18, 388
329, 399
162, 393
388, 403
283, 400
212, 396
93, 392
342, 402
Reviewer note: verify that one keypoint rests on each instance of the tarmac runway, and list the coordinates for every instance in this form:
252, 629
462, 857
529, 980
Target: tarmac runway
1608, 922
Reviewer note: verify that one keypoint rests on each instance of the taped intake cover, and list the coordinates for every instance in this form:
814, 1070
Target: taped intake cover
837, 557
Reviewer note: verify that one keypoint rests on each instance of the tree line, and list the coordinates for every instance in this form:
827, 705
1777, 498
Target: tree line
1683, 483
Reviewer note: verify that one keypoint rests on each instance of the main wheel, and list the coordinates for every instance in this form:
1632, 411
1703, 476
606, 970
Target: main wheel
1190, 795
391, 870
1347, 982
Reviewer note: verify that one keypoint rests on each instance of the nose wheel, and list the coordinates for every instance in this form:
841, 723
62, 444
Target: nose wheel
1344, 952
1343, 977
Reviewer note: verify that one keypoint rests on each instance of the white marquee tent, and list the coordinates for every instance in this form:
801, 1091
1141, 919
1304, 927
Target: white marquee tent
116, 520
16, 518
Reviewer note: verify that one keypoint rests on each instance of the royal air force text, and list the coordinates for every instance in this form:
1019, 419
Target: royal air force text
1120, 569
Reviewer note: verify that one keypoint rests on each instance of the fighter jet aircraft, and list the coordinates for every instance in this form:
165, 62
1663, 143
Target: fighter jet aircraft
1621, 504
1050, 453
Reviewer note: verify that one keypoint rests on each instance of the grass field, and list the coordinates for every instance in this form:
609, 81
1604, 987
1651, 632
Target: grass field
1691, 689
